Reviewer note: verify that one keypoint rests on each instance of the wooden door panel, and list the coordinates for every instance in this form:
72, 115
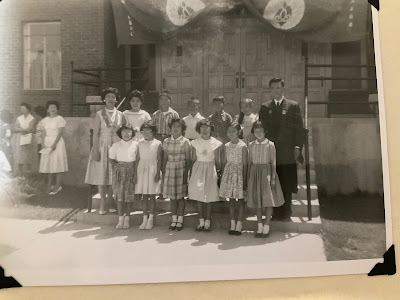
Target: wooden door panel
181, 75
258, 64
221, 66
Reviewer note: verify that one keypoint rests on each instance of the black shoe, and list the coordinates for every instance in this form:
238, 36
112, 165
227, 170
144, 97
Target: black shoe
171, 227
200, 228
258, 235
179, 228
232, 232
207, 229
237, 233
265, 235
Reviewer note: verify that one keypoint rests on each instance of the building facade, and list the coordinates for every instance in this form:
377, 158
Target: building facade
44, 40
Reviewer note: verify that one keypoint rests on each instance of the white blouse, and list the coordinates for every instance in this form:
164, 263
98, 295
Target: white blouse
205, 148
124, 151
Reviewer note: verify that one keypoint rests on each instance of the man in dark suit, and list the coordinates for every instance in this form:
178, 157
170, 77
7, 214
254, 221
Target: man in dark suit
283, 124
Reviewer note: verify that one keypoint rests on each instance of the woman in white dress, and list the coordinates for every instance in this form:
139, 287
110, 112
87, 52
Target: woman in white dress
136, 116
53, 160
25, 140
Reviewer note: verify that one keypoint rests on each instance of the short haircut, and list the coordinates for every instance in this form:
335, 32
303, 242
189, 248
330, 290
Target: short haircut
40, 111
6, 116
277, 79
193, 100
52, 102
26, 105
137, 94
119, 131
258, 124
179, 121
110, 90
149, 125
204, 122
219, 98
166, 94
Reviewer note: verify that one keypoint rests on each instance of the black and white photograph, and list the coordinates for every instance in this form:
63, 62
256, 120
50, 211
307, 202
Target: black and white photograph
149, 141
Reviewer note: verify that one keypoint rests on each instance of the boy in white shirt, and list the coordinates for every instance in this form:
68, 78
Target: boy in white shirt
192, 119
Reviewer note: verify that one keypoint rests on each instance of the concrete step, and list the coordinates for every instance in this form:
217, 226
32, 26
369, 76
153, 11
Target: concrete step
218, 221
302, 192
299, 207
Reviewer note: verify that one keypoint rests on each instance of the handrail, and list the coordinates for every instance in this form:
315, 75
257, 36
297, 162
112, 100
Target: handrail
90, 196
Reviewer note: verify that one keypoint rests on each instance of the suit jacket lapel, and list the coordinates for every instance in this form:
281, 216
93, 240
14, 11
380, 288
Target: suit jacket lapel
285, 107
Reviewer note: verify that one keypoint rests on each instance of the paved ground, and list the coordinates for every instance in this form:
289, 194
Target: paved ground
42, 252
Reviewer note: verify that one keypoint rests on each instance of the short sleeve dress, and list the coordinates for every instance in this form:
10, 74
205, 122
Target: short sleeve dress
136, 119
176, 150
147, 168
203, 180
25, 154
100, 172
262, 157
56, 160
232, 179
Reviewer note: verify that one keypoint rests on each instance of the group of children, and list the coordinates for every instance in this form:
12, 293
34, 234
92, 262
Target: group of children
205, 160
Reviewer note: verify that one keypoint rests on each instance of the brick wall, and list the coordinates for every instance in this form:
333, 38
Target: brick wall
82, 41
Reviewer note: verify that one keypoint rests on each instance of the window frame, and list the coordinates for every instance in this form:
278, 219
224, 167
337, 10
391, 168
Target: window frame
26, 26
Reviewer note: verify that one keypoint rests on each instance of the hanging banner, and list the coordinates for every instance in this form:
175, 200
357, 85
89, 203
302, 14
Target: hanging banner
153, 21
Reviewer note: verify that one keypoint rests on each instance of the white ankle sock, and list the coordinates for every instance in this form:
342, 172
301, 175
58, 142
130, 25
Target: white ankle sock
207, 224
266, 229
180, 219
233, 224
238, 226
143, 225
174, 218
120, 222
260, 228
201, 222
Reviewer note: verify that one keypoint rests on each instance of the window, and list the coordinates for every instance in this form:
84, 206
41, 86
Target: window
42, 56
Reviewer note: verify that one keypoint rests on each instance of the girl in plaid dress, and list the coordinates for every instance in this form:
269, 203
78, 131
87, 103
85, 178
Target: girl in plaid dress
123, 160
176, 164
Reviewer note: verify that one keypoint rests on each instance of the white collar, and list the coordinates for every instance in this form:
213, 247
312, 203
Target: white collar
196, 116
262, 143
172, 138
279, 101
134, 112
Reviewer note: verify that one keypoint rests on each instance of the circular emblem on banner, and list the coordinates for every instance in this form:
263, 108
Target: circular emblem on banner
179, 12
284, 14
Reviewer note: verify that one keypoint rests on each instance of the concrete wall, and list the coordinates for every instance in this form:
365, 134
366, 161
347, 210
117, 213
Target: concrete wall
347, 153
77, 140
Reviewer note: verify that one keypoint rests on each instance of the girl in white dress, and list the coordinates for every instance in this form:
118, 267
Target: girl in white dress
246, 120
149, 158
203, 185
136, 116
53, 160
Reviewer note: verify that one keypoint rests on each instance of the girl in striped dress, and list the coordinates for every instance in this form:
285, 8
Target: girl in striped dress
264, 190
176, 165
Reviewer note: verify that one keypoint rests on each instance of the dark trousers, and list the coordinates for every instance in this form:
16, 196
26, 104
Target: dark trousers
287, 178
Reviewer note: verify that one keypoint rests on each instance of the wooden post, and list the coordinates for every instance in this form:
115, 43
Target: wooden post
306, 145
